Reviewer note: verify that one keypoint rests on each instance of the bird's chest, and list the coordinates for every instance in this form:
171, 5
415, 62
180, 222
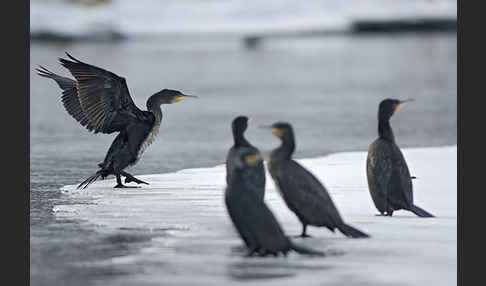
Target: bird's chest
273, 173
148, 140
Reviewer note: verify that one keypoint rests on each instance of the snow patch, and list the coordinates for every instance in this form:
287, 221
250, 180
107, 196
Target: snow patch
187, 207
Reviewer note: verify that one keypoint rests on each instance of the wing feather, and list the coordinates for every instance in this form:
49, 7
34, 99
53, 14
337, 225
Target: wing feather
103, 96
69, 96
305, 195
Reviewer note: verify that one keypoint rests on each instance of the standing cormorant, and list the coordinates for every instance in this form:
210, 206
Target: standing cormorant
99, 100
301, 191
252, 175
253, 220
389, 179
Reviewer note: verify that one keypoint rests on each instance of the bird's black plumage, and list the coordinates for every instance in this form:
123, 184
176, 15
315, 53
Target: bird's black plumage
100, 101
389, 179
252, 175
253, 220
302, 191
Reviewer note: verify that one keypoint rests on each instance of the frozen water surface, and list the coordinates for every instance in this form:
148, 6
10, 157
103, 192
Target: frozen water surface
176, 230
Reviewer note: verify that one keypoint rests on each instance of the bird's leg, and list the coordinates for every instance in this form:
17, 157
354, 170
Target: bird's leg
129, 178
304, 229
119, 183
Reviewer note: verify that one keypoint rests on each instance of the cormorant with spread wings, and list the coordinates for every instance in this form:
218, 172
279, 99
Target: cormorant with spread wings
99, 100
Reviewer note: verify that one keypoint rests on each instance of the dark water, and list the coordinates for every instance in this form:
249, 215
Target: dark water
328, 88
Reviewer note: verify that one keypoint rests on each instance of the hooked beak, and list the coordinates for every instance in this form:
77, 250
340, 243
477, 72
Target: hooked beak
180, 97
276, 131
399, 105
186, 95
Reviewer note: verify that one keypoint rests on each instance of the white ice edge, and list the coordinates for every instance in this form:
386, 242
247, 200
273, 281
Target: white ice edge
188, 206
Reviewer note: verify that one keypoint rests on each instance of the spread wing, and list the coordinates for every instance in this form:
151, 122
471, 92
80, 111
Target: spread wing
69, 97
103, 97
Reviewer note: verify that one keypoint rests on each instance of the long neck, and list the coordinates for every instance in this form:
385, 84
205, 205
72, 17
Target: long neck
154, 107
286, 149
384, 129
239, 138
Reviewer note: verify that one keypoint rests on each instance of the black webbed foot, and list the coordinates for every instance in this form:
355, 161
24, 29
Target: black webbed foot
133, 179
120, 186
302, 236
129, 178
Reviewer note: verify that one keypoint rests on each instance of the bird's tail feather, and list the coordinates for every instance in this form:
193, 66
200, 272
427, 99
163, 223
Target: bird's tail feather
350, 231
420, 212
304, 250
89, 180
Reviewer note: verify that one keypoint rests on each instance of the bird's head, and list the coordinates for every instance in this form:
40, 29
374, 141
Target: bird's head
388, 107
239, 124
281, 129
169, 96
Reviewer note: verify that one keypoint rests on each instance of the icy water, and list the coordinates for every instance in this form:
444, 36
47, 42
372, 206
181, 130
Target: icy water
328, 88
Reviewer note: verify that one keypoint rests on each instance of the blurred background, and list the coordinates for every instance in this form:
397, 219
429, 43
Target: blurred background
321, 65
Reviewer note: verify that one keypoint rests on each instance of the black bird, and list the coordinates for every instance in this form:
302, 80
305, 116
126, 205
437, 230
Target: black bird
99, 100
389, 179
302, 191
253, 220
255, 175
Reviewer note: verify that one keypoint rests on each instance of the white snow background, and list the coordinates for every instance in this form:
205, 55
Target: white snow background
192, 240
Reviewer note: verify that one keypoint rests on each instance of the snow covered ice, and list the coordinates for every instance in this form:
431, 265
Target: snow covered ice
192, 240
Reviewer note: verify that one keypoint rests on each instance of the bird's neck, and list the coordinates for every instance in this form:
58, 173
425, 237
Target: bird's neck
285, 150
384, 130
156, 111
240, 139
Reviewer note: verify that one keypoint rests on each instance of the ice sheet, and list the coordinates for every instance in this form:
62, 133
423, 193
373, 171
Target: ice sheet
192, 240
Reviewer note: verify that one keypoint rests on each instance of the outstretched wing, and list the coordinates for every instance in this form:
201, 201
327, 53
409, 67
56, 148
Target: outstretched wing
103, 97
69, 96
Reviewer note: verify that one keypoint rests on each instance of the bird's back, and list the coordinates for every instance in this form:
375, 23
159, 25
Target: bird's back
303, 193
254, 221
254, 176
388, 176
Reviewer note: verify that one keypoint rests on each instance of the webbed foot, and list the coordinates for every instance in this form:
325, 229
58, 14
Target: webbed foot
133, 179
302, 236
120, 186
129, 178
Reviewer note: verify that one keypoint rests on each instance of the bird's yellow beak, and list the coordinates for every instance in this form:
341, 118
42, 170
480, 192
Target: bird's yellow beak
180, 97
399, 105
253, 159
277, 132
